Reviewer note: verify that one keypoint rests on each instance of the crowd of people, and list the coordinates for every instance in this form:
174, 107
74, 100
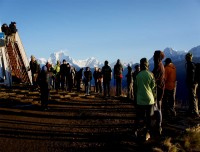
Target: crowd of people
9, 32
152, 92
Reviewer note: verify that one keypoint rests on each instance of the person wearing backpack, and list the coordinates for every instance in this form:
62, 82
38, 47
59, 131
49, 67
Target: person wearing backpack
192, 86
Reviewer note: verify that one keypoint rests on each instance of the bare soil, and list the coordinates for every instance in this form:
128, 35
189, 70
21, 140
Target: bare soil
75, 122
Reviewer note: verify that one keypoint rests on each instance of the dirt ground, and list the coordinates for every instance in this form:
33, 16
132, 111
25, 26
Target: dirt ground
74, 122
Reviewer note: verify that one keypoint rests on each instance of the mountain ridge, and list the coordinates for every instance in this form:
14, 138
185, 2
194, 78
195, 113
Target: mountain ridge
93, 62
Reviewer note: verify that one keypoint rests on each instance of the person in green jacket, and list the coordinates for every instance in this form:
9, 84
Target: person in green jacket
144, 87
57, 75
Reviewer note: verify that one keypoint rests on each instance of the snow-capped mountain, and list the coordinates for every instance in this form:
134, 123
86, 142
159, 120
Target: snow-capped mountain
93, 62
173, 54
61, 55
195, 51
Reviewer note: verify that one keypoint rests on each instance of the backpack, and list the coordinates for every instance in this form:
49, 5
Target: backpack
197, 72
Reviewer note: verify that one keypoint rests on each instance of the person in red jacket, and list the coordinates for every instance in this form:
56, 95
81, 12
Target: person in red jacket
170, 89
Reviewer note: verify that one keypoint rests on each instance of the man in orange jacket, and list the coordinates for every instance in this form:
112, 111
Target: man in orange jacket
170, 89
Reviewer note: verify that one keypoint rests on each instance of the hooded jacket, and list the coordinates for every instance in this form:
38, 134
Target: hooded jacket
144, 87
159, 70
170, 76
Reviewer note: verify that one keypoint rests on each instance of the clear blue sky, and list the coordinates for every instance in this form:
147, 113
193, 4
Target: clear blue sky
104, 29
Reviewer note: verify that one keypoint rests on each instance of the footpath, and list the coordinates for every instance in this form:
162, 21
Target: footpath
74, 122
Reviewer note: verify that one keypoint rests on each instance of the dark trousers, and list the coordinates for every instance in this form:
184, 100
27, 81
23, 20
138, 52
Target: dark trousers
57, 82
118, 86
144, 113
99, 83
169, 102
78, 84
96, 85
106, 88
45, 93
64, 82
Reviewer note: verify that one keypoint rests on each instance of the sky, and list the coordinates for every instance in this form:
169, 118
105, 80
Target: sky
105, 29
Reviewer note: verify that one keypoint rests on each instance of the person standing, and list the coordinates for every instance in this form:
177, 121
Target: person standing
99, 80
137, 70
95, 75
6, 30
118, 69
45, 86
159, 74
129, 79
64, 75
13, 30
35, 70
170, 89
79, 75
107, 75
145, 89
57, 75
192, 86
88, 78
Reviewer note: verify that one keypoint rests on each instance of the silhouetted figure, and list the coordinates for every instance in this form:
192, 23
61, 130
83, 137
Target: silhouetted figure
45, 86
65, 74
107, 75
159, 74
137, 70
79, 75
118, 69
95, 76
6, 30
13, 30
192, 86
87, 80
129, 80
99, 80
